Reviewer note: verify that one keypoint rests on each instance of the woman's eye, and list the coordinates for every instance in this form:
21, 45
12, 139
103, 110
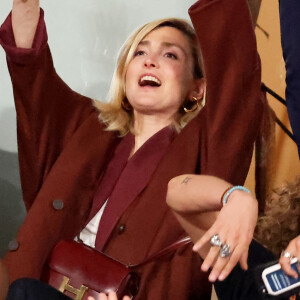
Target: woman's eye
171, 55
139, 53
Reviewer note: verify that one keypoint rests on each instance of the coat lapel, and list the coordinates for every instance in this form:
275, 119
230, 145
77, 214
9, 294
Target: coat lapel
112, 173
135, 176
148, 220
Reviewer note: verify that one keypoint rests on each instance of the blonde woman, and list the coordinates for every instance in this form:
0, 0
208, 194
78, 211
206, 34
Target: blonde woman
100, 171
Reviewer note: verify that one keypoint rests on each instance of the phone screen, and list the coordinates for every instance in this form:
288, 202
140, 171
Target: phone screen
278, 280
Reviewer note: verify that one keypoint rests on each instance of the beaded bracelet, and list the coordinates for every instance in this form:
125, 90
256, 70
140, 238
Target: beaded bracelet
227, 193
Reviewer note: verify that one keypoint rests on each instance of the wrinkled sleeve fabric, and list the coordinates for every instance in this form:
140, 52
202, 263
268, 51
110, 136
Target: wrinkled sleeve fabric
48, 111
234, 104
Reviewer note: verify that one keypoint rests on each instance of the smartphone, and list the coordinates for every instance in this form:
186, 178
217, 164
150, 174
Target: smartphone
278, 282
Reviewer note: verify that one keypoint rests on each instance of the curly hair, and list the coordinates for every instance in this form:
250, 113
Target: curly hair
280, 222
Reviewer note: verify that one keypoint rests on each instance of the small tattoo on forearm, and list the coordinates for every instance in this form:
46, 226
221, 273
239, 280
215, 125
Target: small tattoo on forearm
186, 180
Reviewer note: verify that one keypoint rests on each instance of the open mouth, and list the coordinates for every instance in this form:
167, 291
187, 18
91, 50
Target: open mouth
149, 81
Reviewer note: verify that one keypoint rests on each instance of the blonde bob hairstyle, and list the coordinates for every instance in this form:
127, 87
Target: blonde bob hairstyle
112, 113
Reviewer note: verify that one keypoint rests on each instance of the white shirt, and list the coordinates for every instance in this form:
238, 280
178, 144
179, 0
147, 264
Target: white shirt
89, 233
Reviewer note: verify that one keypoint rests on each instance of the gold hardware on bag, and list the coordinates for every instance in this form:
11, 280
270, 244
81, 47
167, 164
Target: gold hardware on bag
65, 286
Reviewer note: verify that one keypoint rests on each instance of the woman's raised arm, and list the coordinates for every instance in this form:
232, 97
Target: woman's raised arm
234, 105
25, 17
48, 111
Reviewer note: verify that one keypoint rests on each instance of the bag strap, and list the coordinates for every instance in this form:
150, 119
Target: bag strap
171, 248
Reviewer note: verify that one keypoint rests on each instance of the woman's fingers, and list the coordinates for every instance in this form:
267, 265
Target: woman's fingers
292, 250
286, 266
204, 240
111, 296
213, 252
244, 259
103, 296
234, 226
210, 258
222, 266
215, 261
237, 254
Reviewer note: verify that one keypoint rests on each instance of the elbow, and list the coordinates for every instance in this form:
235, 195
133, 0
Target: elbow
170, 193
174, 197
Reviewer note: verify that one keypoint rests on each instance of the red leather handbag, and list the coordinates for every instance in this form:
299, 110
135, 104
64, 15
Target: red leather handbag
80, 271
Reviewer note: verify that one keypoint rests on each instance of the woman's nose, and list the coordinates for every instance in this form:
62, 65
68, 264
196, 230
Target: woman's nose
151, 62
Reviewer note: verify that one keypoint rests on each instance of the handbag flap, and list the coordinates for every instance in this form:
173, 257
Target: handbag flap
87, 266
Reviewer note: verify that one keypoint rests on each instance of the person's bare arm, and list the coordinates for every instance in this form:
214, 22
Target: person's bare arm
195, 200
25, 17
201, 191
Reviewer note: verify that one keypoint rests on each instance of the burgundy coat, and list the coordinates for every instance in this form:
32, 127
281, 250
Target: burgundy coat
63, 151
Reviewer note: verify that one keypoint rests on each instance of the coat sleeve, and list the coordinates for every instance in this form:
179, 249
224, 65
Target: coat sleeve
234, 106
48, 111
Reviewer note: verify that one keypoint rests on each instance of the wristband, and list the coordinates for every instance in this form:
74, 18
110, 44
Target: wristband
227, 193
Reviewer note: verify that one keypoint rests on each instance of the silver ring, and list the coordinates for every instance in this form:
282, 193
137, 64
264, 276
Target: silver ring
286, 254
215, 241
225, 251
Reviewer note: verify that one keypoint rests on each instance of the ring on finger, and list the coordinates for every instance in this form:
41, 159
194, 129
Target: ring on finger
225, 250
286, 254
215, 240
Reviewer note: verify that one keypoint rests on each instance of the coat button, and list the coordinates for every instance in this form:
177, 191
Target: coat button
13, 245
58, 204
121, 228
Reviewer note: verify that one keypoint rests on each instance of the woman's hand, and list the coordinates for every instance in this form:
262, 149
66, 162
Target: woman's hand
3, 281
111, 296
25, 17
195, 200
234, 226
294, 250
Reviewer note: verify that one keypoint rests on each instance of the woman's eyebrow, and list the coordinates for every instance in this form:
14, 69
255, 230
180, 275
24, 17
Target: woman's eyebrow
168, 45
165, 44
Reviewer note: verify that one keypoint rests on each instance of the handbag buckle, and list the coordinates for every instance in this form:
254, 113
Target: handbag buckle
65, 286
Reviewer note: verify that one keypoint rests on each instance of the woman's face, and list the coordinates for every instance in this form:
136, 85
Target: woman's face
159, 77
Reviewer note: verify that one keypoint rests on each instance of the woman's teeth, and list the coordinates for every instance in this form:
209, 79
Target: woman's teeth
149, 80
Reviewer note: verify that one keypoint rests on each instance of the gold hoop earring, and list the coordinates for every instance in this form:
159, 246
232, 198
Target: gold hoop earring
194, 107
126, 105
